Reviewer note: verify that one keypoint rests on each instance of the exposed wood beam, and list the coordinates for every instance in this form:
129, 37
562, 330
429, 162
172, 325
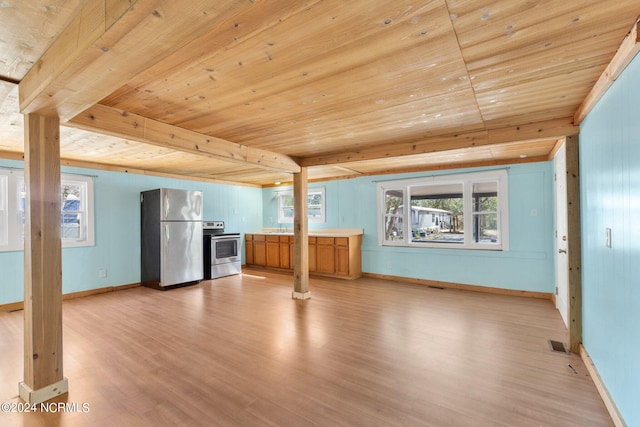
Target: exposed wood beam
148, 172
14, 155
111, 121
350, 171
556, 147
107, 43
11, 155
51, 87
9, 80
300, 236
425, 168
547, 129
574, 244
43, 376
628, 49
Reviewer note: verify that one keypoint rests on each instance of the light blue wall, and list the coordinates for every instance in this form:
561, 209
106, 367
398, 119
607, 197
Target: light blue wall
610, 198
117, 221
527, 265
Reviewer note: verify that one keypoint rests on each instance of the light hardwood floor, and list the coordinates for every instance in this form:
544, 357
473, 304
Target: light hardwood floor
238, 351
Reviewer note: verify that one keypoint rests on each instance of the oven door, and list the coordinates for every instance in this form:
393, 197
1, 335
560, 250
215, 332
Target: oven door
225, 249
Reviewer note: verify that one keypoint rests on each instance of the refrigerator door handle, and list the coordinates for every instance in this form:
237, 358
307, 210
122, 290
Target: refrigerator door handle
166, 204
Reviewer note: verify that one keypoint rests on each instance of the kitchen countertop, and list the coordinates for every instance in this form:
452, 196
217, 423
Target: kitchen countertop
318, 232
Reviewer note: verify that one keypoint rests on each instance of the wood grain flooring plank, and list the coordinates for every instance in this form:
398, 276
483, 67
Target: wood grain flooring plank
238, 351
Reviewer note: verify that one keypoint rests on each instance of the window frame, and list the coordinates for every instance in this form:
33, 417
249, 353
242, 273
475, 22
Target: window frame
466, 180
4, 210
282, 219
14, 220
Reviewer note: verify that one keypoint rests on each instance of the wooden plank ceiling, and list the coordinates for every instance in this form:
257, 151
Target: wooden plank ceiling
249, 91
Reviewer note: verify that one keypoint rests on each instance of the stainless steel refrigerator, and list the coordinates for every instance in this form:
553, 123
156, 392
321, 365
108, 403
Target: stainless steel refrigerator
171, 237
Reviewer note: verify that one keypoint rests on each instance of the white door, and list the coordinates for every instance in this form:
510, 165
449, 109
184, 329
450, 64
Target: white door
562, 265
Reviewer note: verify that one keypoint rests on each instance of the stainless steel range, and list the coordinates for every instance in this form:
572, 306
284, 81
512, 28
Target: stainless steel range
222, 251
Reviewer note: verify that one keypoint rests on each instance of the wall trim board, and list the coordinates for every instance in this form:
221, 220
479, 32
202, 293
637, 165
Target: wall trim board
460, 286
625, 53
617, 419
574, 242
15, 306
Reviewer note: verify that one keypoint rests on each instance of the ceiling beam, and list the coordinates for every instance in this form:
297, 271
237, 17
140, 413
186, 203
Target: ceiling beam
14, 155
547, 129
114, 122
107, 43
628, 49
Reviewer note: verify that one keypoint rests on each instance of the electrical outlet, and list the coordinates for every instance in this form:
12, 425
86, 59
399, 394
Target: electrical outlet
102, 273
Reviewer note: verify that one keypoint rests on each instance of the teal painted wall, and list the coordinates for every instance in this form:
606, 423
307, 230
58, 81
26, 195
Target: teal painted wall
117, 224
527, 265
610, 198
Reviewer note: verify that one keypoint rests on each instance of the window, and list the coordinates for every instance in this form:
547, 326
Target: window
455, 211
76, 216
315, 206
4, 215
393, 219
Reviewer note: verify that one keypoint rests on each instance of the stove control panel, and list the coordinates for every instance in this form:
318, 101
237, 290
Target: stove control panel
213, 225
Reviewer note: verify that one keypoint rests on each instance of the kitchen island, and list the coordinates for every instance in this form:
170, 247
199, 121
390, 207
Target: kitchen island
332, 252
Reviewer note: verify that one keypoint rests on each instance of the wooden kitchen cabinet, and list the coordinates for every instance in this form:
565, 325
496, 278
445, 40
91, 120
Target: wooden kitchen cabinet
291, 252
325, 258
328, 256
285, 252
259, 250
342, 256
273, 251
248, 249
312, 255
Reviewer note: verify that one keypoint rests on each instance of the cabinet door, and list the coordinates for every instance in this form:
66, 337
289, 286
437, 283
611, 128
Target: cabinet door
342, 260
273, 251
312, 254
259, 250
326, 255
285, 255
290, 251
248, 249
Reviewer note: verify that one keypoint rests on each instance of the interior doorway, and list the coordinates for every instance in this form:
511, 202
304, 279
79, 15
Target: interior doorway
561, 232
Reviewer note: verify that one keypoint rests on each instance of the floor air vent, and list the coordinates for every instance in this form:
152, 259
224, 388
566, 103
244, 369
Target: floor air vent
557, 346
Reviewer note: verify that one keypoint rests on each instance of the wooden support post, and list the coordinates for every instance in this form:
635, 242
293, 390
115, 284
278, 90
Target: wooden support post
574, 244
43, 377
300, 236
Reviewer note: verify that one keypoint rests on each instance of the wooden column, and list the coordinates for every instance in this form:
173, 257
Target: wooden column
574, 244
43, 377
300, 236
